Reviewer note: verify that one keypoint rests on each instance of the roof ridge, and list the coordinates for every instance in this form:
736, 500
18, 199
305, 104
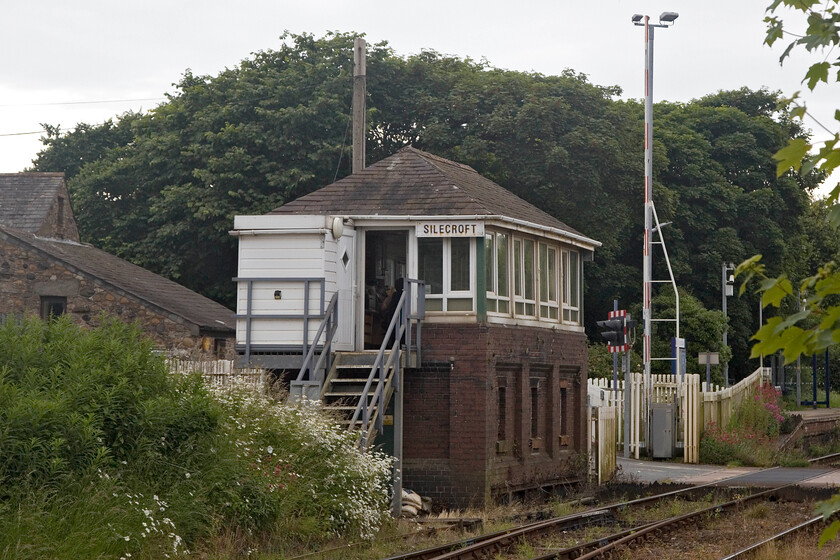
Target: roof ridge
436, 159
41, 173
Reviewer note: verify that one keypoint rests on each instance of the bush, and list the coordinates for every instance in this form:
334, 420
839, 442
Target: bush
748, 439
103, 453
761, 412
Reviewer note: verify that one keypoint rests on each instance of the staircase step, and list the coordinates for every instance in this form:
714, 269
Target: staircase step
356, 358
345, 394
344, 409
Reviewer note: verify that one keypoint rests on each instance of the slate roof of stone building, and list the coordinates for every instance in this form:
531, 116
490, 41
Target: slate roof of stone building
26, 198
416, 183
170, 297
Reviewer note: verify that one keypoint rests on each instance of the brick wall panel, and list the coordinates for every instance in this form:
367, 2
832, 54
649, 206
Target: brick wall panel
459, 382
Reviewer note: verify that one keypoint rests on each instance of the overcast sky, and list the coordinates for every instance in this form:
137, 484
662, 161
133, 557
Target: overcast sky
64, 62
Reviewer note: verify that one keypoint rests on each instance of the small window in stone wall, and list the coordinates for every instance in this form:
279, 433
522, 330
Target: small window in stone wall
220, 348
540, 411
564, 425
53, 306
502, 429
505, 403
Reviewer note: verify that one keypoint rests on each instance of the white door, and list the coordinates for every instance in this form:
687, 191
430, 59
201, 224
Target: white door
345, 280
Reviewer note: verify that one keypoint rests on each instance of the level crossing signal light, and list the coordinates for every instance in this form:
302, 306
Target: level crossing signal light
614, 331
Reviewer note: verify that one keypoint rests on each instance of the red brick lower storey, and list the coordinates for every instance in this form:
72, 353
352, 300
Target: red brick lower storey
494, 410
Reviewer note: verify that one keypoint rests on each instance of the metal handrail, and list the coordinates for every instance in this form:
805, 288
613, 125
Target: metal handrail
404, 315
330, 322
249, 317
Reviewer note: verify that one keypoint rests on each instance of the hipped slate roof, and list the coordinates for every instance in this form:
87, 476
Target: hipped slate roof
416, 183
26, 198
154, 290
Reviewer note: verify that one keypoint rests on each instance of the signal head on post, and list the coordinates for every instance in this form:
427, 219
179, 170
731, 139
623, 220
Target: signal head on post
613, 331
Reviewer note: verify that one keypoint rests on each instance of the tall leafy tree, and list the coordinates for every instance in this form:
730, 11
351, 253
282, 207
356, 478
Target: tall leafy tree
161, 189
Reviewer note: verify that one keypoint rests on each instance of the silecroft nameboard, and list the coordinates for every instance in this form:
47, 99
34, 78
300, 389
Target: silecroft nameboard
450, 229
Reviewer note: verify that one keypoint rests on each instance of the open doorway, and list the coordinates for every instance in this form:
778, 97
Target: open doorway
385, 264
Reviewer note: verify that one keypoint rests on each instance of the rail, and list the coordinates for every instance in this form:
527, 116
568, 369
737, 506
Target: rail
308, 315
474, 547
407, 318
750, 550
330, 324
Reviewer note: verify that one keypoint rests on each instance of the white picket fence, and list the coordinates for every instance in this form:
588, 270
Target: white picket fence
602, 451
697, 405
720, 403
219, 372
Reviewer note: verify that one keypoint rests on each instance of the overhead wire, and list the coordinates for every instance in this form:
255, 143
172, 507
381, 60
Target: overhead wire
53, 103
57, 103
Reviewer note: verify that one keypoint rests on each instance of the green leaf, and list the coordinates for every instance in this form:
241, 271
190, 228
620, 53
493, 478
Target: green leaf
817, 73
747, 270
791, 320
794, 343
774, 30
834, 216
798, 111
767, 337
786, 52
774, 290
829, 532
829, 507
830, 160
791, 156
829, 320
834, 195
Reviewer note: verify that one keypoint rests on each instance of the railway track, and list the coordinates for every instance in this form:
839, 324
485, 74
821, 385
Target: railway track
832, 459
811, 524
503, 541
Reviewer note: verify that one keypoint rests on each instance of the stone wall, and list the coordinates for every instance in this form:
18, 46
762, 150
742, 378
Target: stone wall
470, 433
59, 223
26, 276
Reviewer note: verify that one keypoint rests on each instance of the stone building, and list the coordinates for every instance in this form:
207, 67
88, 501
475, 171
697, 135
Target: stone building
45, 270
37, 203
493, 396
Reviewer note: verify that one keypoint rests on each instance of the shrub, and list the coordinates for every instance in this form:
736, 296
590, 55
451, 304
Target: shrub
743, 446
748, 439
761, 412
103, 453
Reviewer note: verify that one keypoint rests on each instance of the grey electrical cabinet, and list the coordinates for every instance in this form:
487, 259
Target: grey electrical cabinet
663, 430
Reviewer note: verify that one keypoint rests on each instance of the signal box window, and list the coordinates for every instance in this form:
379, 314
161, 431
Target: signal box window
446, 265
52, 306
571, 287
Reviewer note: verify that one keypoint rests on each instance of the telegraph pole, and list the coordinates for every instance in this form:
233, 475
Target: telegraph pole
359, 93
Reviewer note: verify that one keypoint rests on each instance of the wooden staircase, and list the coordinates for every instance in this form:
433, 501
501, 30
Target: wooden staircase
344, 389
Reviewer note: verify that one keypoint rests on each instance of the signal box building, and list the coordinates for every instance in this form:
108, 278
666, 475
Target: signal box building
494, 394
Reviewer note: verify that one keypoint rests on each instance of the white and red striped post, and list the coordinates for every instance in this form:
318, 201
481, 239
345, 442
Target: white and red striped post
647, 263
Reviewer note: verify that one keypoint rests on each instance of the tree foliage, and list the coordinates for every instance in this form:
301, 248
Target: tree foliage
161, 189
814, 324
